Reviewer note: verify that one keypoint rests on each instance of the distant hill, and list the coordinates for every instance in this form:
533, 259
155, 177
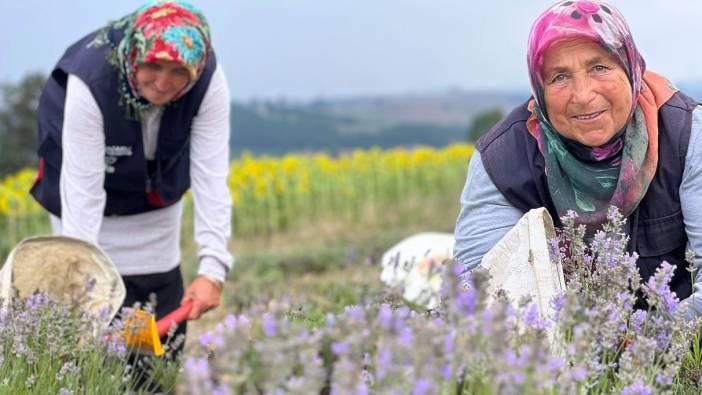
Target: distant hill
452, 108
334, 125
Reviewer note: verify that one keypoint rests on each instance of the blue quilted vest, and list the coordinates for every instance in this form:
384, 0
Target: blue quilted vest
133, 185
656, 227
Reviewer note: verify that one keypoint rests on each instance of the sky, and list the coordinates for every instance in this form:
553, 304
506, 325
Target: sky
311, 49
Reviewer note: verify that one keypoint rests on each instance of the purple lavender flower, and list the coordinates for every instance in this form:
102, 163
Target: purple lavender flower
222, 389
115, 346
36, 301
403, 312
637, 319
525, 352
630, 259
555, 364
532, 317
626, 298
447, 372
230, 322
511, 358
458, 269
487, 322
657, 288
385, 316
466, 302
206, 339
670, 302
663, 379
616, 244
269, 324
598, 240
613, 214
638, 388
554, 249
197, 368
362, 389
384, 362
90, 284
104, 314
405, 336
557, 303
67, 369
612, 260
340, 348
578, 373
614, 314
355, 313
423, 386
449, 343
663, 339
243, 321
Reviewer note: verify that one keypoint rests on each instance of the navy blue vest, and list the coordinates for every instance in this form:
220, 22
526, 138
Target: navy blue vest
132, 185
656, 229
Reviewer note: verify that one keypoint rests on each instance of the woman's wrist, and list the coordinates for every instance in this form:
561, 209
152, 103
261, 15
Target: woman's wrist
218, 283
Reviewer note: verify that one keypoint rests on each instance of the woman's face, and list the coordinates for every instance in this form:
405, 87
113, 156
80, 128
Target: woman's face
159, 81
587, 93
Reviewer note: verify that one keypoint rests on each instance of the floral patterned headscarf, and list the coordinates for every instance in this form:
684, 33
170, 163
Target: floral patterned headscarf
170, 30
587, 180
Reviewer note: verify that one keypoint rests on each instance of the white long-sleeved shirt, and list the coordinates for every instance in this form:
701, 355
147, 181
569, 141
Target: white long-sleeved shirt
148, 242
486, 215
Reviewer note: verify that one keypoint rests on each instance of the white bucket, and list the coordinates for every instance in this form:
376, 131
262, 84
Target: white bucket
69, 271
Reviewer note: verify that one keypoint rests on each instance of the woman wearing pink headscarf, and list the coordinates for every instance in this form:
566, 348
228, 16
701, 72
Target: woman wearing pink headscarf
599, 131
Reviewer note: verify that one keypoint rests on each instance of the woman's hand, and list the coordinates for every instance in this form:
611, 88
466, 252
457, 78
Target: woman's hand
206, 295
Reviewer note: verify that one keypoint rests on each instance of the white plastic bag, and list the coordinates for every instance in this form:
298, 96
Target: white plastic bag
416, 265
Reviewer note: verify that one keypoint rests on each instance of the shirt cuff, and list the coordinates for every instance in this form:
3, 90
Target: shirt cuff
210, 266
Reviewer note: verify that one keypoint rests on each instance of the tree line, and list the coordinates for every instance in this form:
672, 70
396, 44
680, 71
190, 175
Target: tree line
272, 129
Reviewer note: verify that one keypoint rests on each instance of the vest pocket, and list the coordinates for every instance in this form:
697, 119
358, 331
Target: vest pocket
657, 236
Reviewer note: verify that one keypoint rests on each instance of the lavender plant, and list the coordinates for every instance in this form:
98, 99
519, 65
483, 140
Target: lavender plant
468, 345
50, 348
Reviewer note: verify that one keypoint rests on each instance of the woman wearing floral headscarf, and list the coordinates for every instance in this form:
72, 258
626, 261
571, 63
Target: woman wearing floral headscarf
131, 116
600, 130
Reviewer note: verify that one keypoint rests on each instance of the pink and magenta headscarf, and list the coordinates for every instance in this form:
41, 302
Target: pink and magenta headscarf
588, 180
592, 20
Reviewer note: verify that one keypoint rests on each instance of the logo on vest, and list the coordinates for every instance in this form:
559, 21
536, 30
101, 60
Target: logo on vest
112, 153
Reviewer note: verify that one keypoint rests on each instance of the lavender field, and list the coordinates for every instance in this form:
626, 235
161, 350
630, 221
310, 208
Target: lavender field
304, 312
356, 337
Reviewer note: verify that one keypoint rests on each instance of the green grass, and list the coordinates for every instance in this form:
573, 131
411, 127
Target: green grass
321, 267
689, 381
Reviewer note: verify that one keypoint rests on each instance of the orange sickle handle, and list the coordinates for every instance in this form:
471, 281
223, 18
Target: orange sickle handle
175, 317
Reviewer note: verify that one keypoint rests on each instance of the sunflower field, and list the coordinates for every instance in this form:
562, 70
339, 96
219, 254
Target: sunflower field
272, 194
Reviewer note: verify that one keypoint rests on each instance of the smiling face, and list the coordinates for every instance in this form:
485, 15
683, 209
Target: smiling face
587, 93
160, 81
